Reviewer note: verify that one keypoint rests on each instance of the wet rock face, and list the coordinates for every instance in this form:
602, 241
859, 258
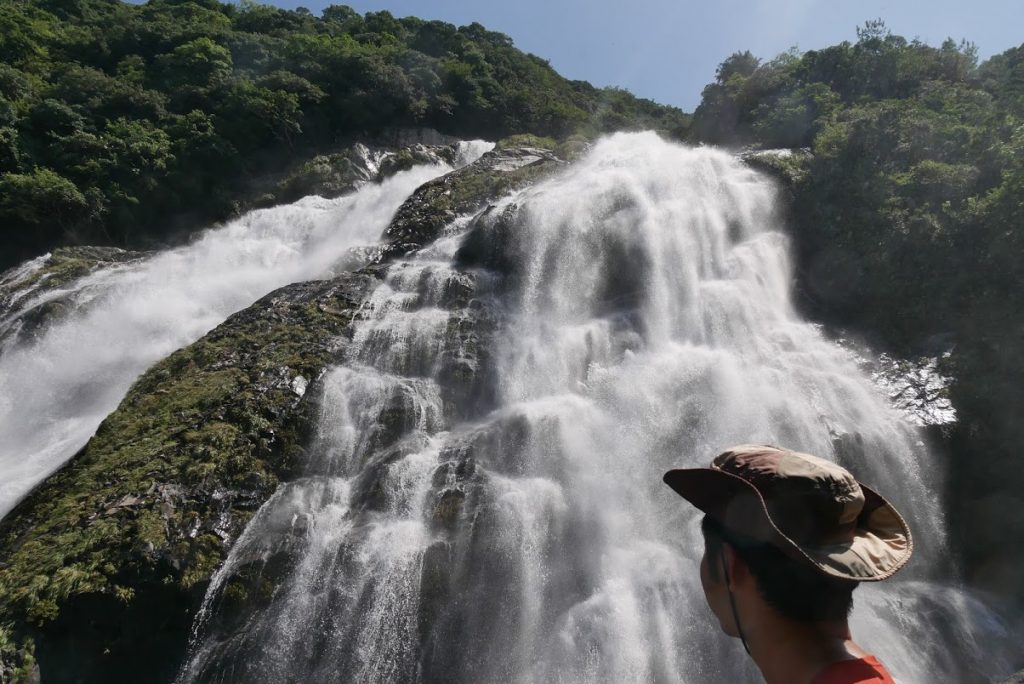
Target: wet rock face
121, 542
337, 173
918, 387
416, 373
466, 191
34, 294
17, 661
491, 245
418, 153
786, 165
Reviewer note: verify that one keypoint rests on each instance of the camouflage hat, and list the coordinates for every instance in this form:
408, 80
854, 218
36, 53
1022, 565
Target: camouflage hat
810, 508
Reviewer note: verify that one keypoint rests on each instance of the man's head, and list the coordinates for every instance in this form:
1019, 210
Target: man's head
790, 532
792, 589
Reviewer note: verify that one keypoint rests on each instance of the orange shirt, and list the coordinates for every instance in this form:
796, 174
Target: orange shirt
863, 671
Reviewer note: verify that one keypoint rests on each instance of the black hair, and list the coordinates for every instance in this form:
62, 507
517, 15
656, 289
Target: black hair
793, 588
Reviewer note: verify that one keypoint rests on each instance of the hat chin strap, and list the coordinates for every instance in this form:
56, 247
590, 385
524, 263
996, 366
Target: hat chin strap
732, 601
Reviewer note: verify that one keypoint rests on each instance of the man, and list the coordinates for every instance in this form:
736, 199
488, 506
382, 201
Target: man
787, 538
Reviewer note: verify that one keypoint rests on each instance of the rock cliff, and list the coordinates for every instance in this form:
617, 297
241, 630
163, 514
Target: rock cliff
104, 564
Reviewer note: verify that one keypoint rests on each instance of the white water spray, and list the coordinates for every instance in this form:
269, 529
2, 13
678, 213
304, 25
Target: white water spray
484, 502
57, 388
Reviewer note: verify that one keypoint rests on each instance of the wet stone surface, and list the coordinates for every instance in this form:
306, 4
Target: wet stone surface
39, 292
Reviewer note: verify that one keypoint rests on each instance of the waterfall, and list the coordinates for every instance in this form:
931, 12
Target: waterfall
57, 387
483, 501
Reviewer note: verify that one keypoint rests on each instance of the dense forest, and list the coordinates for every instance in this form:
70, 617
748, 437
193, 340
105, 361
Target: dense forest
907, 207
133, 124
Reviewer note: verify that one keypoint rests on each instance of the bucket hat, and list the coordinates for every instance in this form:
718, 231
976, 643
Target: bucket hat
812, 509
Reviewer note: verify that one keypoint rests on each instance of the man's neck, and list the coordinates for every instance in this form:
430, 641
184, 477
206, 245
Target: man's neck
788, 652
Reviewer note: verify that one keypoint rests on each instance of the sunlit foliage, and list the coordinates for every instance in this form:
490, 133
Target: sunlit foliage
131, 122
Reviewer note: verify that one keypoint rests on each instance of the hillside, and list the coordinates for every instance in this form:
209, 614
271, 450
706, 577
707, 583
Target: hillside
130, 125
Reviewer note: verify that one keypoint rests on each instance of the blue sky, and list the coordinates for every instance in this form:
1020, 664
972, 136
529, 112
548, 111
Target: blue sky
667, 50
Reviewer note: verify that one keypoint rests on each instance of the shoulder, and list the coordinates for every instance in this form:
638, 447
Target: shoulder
866, 670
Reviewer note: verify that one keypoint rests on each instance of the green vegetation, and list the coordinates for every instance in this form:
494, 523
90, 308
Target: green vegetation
526, 140
126, 536
17, 660
121, 543
517, 162
62, 266
908, 215
127, 125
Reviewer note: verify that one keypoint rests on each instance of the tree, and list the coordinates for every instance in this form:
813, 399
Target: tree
741, 64
796, 118
25, 33
251, 116
40, 200
199, 63
11, 154
160, 113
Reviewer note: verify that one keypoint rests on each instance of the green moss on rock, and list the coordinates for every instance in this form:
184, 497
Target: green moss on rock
17, 659
422, 217
787, 166
525, 140
28, 297
151, 504
66, 264
337, 173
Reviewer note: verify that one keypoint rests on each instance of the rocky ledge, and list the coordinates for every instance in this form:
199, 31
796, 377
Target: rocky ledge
464, 192
339, 172
103, 566
35, 292
120, 542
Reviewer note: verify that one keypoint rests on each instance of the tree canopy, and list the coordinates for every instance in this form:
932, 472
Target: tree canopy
124, 124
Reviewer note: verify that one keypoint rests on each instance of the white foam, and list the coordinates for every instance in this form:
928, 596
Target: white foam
55, 390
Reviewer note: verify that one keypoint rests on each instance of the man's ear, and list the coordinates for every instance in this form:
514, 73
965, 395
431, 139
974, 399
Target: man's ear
739, 573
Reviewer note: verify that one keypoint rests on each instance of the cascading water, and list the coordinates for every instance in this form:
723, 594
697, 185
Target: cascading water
483, 502
56, 388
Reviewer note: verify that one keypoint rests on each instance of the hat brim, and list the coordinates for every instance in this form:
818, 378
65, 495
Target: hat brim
881, 543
